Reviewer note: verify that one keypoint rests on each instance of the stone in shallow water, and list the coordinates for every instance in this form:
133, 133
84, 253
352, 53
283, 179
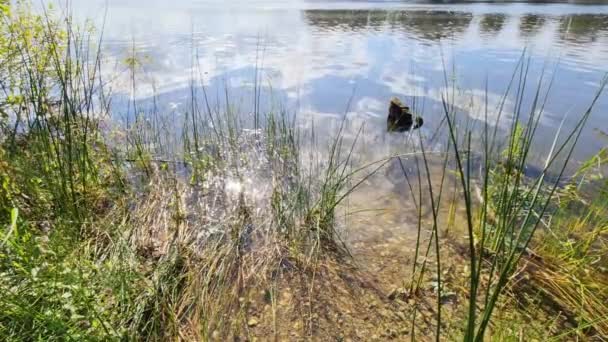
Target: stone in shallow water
252, 322
398, 293
400, 119
449, 297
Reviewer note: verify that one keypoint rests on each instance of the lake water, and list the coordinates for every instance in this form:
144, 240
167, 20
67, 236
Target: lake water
314, 56
323, 58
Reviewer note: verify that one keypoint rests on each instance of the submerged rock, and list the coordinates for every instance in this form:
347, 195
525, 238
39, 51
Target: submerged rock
400, 119
449, 297
398, 293
252, 322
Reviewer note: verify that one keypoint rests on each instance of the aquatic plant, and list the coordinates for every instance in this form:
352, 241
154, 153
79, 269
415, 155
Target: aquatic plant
504, 207
147, 230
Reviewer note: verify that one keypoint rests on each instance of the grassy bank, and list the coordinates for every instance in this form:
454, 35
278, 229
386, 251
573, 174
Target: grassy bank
229, 227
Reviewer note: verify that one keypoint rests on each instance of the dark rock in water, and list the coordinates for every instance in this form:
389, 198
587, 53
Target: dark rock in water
400, 119
399, 293
449, 298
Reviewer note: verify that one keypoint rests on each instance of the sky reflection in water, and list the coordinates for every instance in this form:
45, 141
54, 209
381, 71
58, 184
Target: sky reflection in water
316, 55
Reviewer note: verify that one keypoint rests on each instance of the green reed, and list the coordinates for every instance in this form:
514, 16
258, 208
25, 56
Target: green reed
502, 222
105, 228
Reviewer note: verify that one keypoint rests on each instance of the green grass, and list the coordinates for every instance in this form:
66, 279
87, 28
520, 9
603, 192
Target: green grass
107, 240
140, 233
504, 208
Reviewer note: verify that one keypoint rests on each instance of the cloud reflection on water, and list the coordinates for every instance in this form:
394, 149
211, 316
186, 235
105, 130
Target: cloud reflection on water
314, 55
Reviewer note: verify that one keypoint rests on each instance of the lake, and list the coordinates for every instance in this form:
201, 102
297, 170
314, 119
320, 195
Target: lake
322, 58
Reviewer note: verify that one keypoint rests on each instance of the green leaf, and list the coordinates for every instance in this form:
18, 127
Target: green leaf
13, 225
4, 9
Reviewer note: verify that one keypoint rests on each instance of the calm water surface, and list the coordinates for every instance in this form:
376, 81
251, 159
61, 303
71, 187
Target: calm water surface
315, 55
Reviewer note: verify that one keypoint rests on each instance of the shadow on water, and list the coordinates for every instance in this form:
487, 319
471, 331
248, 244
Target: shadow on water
531, 24
492, 23
583, 28
422, 24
